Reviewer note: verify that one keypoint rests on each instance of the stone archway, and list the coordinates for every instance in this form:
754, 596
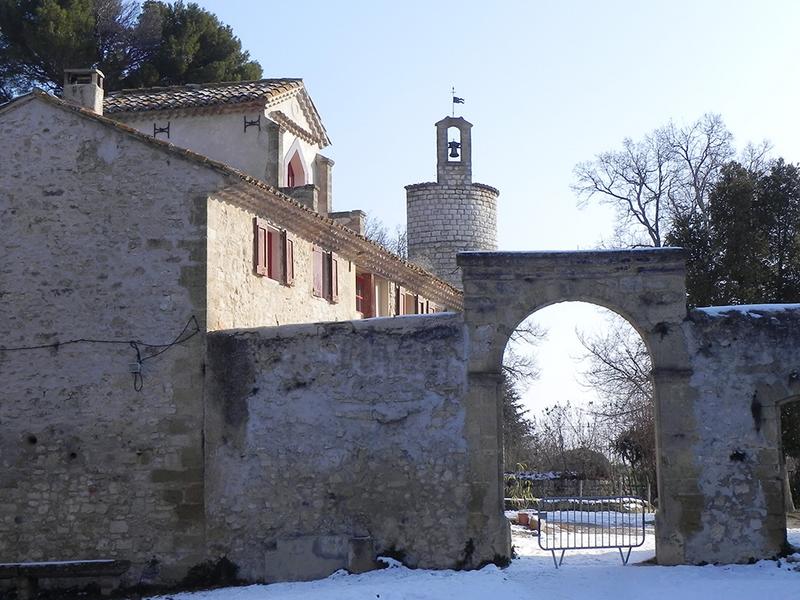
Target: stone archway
648, 288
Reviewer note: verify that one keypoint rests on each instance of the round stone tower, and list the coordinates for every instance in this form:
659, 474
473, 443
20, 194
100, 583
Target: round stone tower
453, 214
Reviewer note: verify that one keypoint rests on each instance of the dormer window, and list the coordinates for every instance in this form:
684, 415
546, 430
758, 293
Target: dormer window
295, 173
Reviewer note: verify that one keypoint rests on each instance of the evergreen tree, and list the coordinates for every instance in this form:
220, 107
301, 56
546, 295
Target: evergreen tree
517, 429
194, 47
749, 251
154, 44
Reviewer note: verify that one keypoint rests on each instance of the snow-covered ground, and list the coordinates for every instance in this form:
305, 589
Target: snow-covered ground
595, 575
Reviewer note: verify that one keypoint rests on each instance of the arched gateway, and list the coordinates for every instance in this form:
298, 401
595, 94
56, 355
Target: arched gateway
645, 286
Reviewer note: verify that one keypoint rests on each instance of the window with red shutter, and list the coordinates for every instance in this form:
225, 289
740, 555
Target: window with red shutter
273, 252
318, 267
260, 246
364, 295
334, 289
399, 300
288, 258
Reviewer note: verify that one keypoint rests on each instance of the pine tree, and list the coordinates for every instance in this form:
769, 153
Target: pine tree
154, 44
516, 427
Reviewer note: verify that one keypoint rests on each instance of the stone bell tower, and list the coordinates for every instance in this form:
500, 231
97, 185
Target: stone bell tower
453, 214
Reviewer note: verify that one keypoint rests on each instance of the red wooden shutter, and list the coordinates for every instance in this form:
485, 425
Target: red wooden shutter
334, 278
369, 292
288, 258
271, 254
317, 265
260, 246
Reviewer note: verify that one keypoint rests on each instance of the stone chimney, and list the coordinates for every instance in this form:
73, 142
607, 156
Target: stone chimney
84, 88
354, 219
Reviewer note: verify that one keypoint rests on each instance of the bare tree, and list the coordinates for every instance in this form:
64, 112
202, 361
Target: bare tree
755, 157
637, 181
664, 177
519, 360
395, 242
566, 438
618, 368
698, 150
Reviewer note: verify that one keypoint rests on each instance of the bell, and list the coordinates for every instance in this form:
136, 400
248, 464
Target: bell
454, 146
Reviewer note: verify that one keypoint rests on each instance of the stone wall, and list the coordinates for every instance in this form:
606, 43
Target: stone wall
89, 467
444, 219
263, 152
237, 297
218, 136
744, 364
322, 439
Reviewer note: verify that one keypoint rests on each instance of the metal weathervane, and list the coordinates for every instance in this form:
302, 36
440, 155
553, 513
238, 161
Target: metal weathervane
456, 100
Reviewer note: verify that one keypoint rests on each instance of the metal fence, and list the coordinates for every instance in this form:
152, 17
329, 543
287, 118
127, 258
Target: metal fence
575, 523
525, 484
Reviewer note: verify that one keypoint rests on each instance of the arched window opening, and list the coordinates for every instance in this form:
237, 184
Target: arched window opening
295, 173
453, 144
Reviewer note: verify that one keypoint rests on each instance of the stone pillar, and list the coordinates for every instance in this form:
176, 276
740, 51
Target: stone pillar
354, 219
307, 195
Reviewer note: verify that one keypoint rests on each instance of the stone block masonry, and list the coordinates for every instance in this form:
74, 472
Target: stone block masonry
452, 215
445, 219
321, 435
744, 368
89, 467
720, 376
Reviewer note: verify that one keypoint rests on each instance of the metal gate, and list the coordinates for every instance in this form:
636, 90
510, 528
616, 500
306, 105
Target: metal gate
584, 523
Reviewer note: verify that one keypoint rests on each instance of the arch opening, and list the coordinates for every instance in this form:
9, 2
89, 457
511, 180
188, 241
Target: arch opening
578, 407
647, 287
454, 147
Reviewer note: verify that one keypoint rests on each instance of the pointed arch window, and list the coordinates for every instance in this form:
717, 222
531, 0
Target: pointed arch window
295, 173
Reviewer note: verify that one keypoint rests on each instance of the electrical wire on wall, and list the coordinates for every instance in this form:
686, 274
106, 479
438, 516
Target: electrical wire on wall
191, 329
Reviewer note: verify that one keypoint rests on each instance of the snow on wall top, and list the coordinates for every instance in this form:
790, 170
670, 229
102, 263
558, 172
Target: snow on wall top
755, 311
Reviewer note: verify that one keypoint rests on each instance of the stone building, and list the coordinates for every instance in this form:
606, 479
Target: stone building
114, 235
270, 130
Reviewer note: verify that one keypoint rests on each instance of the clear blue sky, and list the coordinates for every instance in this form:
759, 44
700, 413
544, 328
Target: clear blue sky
547, 85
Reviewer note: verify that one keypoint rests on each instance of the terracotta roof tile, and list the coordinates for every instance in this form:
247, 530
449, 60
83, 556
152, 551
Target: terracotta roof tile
197, 95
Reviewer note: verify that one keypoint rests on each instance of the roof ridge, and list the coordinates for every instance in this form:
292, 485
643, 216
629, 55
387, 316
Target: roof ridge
193, 86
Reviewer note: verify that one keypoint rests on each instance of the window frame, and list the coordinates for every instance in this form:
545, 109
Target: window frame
273, 252
325, 274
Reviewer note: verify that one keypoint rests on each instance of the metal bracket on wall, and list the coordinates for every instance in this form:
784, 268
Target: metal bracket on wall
253, 123
157, 130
